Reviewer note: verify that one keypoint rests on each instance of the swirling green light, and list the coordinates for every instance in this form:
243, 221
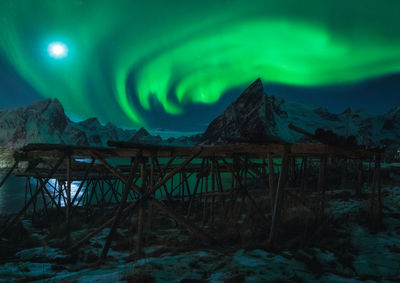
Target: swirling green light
126, 56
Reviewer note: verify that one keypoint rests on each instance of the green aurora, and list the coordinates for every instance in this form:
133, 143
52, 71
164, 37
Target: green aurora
126, 56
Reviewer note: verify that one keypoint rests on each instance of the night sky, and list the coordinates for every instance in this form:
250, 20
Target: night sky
178, 64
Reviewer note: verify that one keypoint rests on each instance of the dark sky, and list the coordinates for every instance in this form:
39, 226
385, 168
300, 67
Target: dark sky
177, 64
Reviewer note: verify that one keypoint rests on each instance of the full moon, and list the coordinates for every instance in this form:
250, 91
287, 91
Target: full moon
57, 50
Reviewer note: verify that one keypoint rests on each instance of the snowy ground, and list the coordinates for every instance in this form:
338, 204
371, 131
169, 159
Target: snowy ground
372, 257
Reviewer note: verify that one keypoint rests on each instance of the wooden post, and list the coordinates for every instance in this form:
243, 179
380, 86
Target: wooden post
150, 206
375, 210
344, 172
271, 178
359, 178
59, 190
26, 191
68, 204
34, 199
219, 183
379, 187
321, 184
205, 197
212, 190
278, 196
304, 177
139, 233
119, 212
192, 197
199, 176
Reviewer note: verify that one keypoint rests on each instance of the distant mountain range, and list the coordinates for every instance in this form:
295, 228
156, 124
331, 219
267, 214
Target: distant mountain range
46, 122
253, 117
257, 117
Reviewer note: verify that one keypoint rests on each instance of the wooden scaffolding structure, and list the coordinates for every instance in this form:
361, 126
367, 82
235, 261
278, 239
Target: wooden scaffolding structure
134, 177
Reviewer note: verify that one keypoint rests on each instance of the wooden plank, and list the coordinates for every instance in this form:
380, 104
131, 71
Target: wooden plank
298, 149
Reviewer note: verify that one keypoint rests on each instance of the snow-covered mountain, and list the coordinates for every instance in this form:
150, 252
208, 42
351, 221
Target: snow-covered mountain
253, 117
256, 116
46, 122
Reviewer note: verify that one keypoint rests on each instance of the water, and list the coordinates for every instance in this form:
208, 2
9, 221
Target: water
12, 195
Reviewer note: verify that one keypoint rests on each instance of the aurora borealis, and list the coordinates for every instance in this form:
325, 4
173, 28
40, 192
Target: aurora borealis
129, 59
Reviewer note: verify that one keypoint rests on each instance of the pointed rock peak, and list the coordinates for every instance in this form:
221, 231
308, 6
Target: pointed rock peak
250, 118
257, 83
51, 107
142, 132
256, 88
57, 104
39, 106
252, 96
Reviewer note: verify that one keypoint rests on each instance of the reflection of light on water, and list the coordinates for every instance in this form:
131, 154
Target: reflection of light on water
85, 160
74, 190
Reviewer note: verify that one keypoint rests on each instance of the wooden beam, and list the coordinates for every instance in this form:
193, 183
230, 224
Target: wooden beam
130, 207
118, 214
175, 170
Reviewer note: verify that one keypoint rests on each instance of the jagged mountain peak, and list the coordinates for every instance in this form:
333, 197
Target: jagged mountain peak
46, 122
42, 106
143, 136
91, 123
142, 132
256, 117
249, 117
254, 90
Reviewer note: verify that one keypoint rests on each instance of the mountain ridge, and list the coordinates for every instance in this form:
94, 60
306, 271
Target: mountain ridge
253, 117
265, 118
46, 122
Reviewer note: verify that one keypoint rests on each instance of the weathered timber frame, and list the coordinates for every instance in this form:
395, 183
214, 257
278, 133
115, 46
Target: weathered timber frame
157, 176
